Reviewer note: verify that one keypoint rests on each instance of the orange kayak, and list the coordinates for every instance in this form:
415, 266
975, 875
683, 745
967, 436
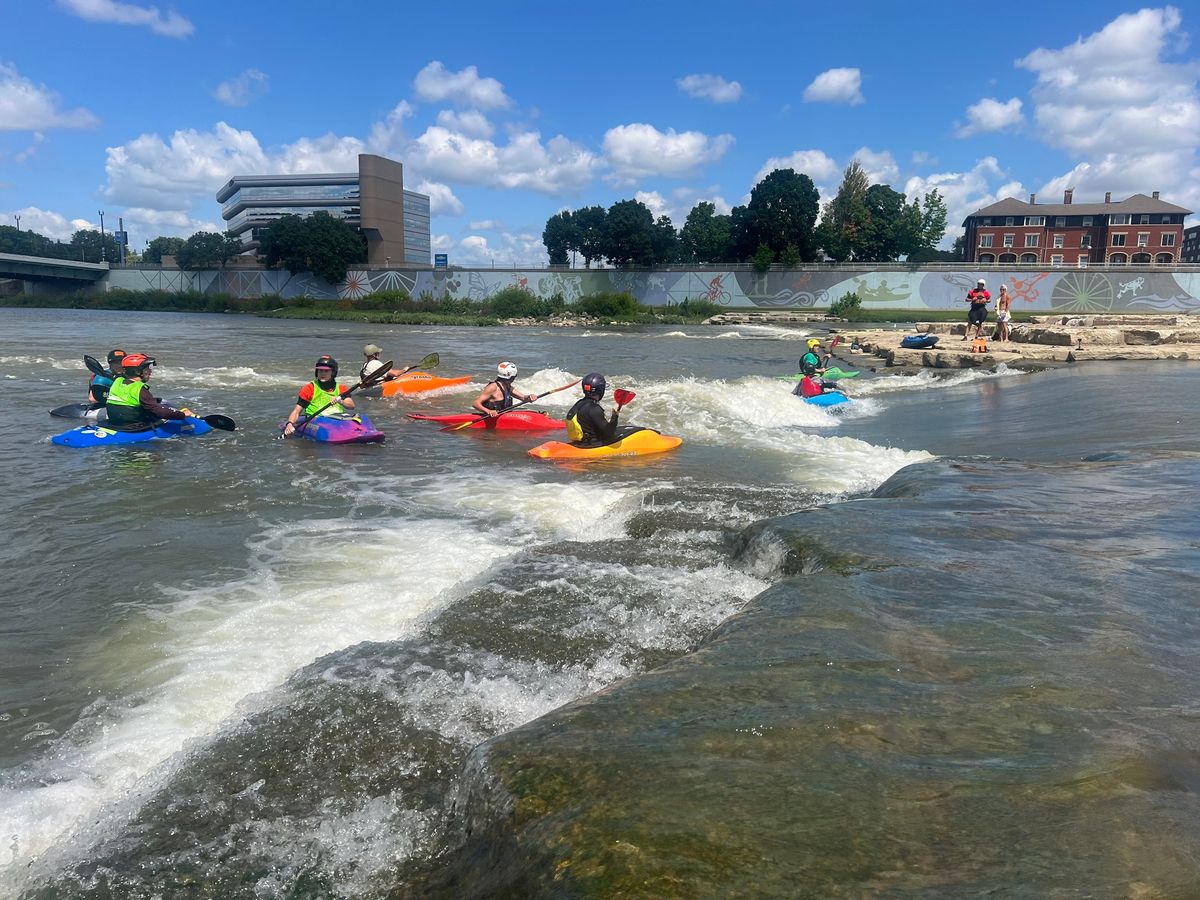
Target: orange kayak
643, 442
418, 382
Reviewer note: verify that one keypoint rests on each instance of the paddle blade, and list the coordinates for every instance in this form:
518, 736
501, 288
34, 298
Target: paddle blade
93, 365
221, 423
377, 376
430, 362
837, 340
623, 397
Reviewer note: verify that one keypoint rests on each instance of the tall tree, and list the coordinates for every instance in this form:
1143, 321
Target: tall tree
162, 246
92, 246
589, 233
629, 234
665, 243
922, 224
845, 223
705, 236
559, 237
320, 244
882, 240
782, 210
207, 250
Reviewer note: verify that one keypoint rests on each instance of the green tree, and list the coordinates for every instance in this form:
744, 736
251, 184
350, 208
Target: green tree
705, 236
763, 257
922, 225
559, 237
782, 210
320, 244
162, 246
666, 243
206, 250
629, 235
588, 239
92, 246
30, 243
885, 208
845, 224
790, 257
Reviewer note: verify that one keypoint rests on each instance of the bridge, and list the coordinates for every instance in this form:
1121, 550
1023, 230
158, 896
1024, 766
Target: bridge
41, 268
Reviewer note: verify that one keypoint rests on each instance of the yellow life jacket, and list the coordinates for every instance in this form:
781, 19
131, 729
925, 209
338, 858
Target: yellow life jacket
574, 429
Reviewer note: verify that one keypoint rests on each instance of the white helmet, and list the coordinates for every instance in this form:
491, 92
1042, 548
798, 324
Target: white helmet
981, 283
506, 370
1004, 287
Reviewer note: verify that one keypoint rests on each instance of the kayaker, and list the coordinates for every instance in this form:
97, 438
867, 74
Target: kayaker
499, 393
129, 399
322, 390
812, 356
810, 387
586, 424
99, 385
374, 364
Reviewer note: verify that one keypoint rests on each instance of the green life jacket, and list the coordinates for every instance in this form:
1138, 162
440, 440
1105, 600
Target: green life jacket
125, 393
320, 398
811, 359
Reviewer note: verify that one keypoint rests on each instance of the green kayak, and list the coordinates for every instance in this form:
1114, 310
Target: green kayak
831, 374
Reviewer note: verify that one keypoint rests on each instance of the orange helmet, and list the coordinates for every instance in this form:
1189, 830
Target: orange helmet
137, 361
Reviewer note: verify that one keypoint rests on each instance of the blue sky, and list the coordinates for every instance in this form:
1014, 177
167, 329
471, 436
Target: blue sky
507, 113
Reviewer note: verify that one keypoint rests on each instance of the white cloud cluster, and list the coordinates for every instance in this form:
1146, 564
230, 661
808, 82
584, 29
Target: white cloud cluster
880, 166
244, 88
555, 167
639, 150
442, 201
965, 192
111, 11
516, 250
990, 115
44, 222
816, 164
842, 85
434, 84
470, 122
25, 106
710, 87
680, 202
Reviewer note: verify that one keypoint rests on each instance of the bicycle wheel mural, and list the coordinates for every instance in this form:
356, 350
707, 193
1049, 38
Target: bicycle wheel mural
1084, 292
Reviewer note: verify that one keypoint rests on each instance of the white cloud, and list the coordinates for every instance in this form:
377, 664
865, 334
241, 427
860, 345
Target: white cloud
387, 137
169, 25
471, 122
990, 115
442, 201
244, 88
639, 150
517, 250
434, 84
880, 167
710, 87
965, 192
681, 201
25, 106
525, 162
836, 86
46, 222
23, 155
923, 158
813, 163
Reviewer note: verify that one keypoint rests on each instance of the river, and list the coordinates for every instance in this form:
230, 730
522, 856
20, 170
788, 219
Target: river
942, 641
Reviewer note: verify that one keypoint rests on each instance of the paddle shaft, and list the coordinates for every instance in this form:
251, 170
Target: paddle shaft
374, 378
511, 408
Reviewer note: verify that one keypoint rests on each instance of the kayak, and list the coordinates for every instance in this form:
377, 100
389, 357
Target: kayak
101, 436
638, 442
81, 411
337, 430
832, 398
831, 374
919, 341
418, 383
517, 420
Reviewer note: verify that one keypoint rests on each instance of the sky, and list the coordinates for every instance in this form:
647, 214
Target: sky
508, 113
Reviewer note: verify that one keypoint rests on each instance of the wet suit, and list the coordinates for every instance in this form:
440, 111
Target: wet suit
597, 429
130, 403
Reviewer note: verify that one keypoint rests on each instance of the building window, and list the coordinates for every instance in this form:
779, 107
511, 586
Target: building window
1058, 241
1117, 259
1085, 241
1140, 259
1009, 221
1008, 257
1087, 221
1083, 261
1168, 239
1029, 257
1031, 240
1163, 259
1119, 219
986, 222
1166, 220
1118, 240
1008, 240
987, 258
1143, 220
1038, 221
1143, 239
1060, 221
1056, 259
985, 240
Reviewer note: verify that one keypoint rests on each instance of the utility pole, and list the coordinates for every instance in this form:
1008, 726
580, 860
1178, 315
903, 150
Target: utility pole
121, 231
18, 218
103, 254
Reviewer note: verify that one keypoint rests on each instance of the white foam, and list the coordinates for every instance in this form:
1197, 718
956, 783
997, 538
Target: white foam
926, 380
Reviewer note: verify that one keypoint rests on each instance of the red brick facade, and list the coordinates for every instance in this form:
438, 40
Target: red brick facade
1138, 231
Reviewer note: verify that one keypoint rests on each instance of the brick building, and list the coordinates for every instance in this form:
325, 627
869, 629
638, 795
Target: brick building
1140, 230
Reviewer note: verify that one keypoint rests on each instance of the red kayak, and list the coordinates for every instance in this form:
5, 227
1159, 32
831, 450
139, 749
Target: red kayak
517, 420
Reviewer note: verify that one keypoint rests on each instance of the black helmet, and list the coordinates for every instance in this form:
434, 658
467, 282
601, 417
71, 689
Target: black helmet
326, 362
809, 369
114, 358
593, 385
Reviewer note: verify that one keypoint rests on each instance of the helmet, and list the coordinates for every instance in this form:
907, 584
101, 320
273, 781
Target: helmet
137, 362
326, 362
115, 357
593, 385
372, 350
813, 343
506, 370
981, 283
810, 369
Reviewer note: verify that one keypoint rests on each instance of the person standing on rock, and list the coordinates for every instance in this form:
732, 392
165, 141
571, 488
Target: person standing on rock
979, 298
1003, 315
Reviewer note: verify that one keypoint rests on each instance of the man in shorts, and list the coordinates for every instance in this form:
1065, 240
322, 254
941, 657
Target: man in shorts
979, 298
1003, 313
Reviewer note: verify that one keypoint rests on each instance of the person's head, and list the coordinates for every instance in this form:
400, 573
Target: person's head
813, 343
114, 359
137, 365
506, 371
980, 284
1004, 288
325, 370
809, 369
372, 351
594, 385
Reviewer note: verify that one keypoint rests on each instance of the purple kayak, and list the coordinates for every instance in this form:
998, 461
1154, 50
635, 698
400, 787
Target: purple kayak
337, 430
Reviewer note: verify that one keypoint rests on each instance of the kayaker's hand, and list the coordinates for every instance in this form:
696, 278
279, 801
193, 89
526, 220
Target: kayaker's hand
289, 429
187, 412
492, 413
532, 398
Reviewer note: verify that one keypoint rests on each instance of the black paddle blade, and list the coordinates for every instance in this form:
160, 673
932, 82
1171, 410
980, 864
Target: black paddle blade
221, 423
93, 365
377, 376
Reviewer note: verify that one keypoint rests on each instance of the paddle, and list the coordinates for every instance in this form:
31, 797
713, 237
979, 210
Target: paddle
429, 362
374, 378
623, 397
449, 428
217, 421
94, 366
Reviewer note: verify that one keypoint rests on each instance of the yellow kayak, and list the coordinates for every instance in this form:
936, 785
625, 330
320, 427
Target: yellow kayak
643, 442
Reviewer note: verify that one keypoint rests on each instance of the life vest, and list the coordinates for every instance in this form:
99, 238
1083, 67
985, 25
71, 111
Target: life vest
320, 398
125, 393
99, 387
574, 428
369, 369
506, 401
810, 387
811, 359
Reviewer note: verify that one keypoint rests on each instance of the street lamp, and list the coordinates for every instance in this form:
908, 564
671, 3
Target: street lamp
103, 255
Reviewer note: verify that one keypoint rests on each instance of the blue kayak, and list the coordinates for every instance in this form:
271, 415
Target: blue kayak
102, 436
832, 398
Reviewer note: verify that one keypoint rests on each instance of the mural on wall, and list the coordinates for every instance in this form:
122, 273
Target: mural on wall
1057, 290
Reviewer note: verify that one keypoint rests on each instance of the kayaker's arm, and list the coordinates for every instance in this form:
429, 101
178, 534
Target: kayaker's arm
156, 408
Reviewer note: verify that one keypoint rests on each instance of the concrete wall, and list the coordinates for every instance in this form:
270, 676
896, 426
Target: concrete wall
381, 201
1066, 290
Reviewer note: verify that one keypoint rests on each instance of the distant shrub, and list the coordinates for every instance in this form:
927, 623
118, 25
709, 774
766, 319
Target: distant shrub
699, 307
610, 306
846, 305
